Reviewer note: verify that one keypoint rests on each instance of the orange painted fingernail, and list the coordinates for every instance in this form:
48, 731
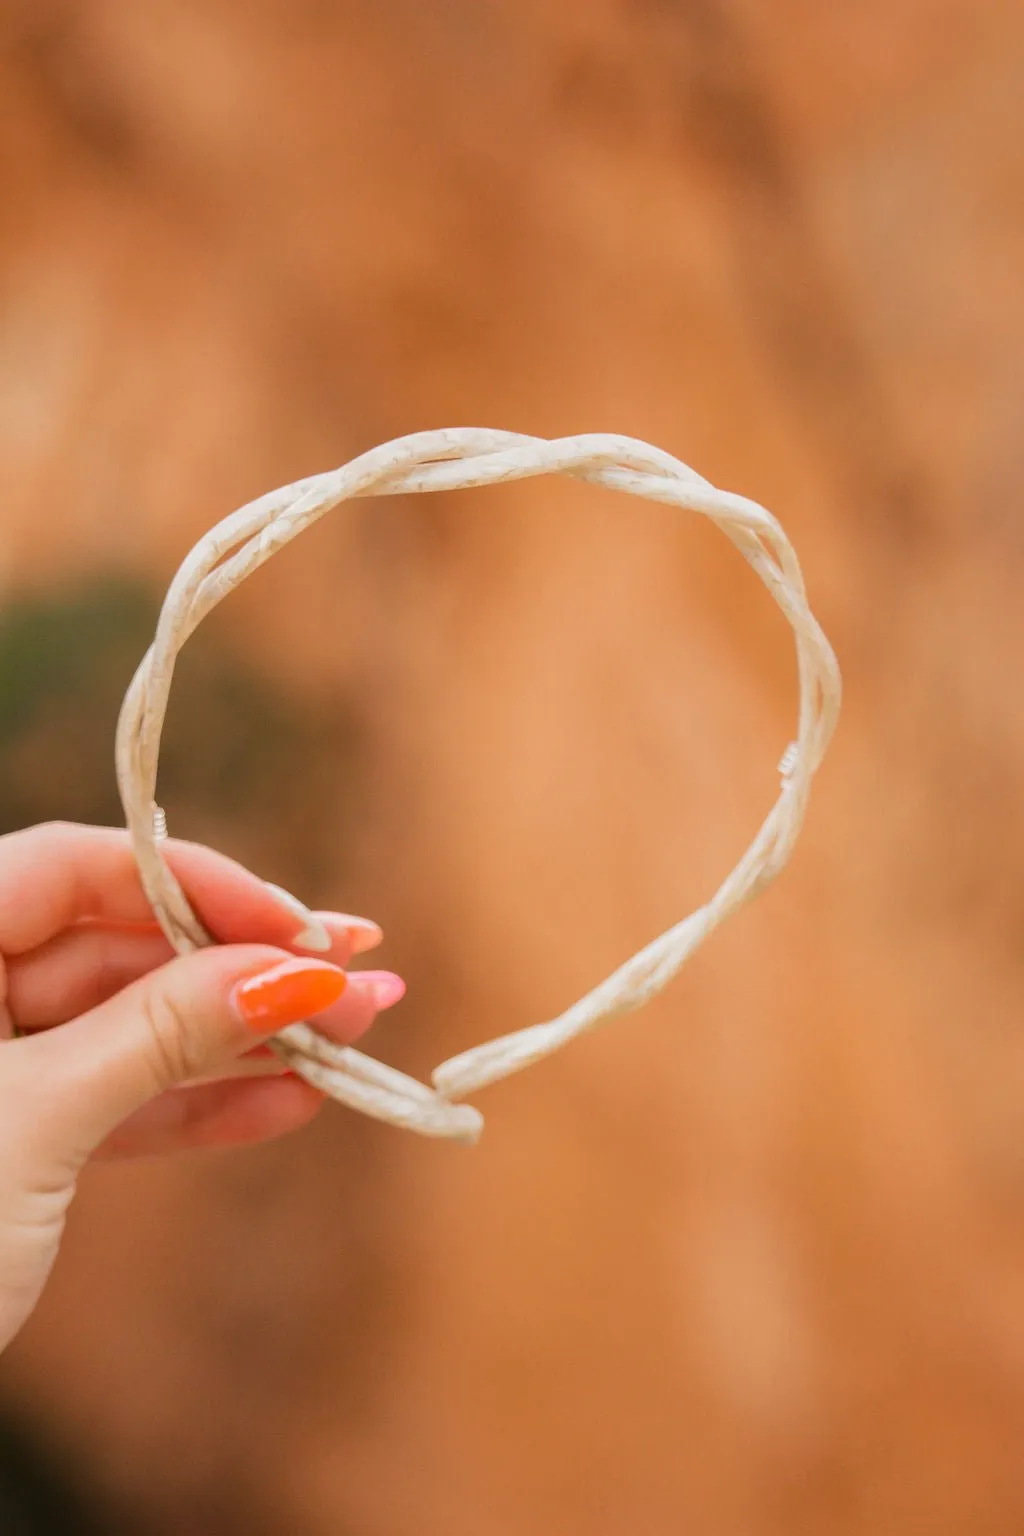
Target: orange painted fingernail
293, 990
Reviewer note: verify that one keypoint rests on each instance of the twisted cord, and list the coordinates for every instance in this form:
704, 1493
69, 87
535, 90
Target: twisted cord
454, 459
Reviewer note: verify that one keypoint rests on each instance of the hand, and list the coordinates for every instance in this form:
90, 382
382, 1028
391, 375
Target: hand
123, 1049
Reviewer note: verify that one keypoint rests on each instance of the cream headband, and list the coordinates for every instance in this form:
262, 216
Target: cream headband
448, 460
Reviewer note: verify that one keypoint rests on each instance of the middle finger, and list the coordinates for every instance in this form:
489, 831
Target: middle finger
90, 962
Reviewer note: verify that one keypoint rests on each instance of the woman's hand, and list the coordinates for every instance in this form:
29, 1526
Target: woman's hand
123, 1049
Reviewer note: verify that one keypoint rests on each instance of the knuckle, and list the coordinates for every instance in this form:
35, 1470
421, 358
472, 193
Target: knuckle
57, 831
46, 838
49, 834
175, 1038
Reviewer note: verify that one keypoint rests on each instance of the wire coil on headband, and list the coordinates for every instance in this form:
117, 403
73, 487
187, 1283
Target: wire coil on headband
454, 459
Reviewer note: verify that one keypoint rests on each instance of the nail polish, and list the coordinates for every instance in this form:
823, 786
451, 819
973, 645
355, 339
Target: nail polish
363, 934
312, 934
383, 988
293, 990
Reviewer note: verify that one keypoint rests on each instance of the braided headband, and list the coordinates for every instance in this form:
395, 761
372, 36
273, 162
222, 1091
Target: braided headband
444, 461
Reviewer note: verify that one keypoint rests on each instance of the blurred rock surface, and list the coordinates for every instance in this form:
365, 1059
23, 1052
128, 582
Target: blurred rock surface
751, 1263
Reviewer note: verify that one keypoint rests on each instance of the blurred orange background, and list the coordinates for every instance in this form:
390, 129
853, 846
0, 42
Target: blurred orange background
750, 1263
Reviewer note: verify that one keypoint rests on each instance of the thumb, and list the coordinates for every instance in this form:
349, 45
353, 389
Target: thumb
184, 1020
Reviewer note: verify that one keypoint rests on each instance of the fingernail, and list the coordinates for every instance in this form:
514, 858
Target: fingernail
383, 988
312, 934
362, 933
293, 990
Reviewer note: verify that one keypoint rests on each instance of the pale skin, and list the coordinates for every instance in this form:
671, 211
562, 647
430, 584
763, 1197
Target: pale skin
112, 1047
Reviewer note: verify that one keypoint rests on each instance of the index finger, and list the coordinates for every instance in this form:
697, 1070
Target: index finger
58, 874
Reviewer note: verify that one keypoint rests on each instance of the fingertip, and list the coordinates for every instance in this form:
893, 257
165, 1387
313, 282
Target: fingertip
382, 989
356, 934
367, 994
362, 932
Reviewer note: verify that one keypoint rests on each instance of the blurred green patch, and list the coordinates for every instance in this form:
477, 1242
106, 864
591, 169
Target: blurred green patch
243, 766
39, 1495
